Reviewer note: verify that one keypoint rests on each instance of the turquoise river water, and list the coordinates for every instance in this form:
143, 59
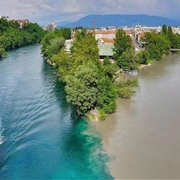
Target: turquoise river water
40, 137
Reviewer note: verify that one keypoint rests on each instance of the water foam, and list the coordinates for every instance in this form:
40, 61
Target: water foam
1, 131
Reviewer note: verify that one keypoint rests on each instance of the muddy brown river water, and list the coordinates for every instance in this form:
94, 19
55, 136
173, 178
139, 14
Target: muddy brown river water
143, 135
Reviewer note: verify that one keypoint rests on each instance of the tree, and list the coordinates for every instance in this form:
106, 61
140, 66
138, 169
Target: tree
106, 100
81, 88
124, 88
3, 25
175, 41
13, 36
54, 47
2, 52
157, 45
109, 68
169, 31
142, 57
63, 32
127, 60
46, 42
121, 43
64, 63
35, 30
164, 30
84, 48
79, 35
174, 38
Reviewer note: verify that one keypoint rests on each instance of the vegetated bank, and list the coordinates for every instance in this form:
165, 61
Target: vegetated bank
91, 86
14, 35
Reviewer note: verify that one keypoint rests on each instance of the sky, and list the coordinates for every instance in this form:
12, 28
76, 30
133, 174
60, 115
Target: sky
48, 11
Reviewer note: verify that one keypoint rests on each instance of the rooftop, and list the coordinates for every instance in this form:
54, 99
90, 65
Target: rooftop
105, 49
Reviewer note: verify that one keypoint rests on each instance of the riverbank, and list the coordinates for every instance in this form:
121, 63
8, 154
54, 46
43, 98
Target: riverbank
143, 134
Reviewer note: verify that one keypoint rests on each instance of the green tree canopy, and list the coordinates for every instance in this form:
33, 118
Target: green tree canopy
81, 88
164, 30
84, 47
89, 83
157, 45
142, 57
2, 51
3, 25
55, 45
63, 32
174, 39
64, 64
127, 61
106, 95
13, 36
121, 43
109, 68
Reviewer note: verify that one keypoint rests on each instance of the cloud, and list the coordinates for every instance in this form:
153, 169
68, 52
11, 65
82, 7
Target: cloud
45, 11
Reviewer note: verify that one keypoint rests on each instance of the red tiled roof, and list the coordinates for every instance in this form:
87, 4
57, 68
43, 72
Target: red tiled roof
141, 34
108, 40
105, 32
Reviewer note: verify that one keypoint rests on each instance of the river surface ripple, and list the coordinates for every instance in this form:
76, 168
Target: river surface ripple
40, 138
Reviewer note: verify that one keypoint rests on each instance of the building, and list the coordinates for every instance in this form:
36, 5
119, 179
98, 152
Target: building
105, 33
106, 41
4, 17
21, 22
176, 30
68, 44
105, 50
50, 27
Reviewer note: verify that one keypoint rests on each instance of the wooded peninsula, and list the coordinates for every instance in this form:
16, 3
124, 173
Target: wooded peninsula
91, 85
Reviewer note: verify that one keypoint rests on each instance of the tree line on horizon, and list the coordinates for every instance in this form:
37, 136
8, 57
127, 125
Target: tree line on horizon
12, 35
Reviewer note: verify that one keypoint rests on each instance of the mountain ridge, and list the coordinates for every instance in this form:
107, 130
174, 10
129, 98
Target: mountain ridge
119, 20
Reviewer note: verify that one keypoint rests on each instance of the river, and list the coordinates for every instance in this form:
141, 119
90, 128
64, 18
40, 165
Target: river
144, 133
40, 137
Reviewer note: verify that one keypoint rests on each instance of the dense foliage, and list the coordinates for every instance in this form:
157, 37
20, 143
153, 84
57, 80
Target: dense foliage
124, 89
109, 68
157, 45
84, 48
106, 95
172, 37
124, 52
122, 43
53, 42
89, 84
12, 35
127, 61
82, 89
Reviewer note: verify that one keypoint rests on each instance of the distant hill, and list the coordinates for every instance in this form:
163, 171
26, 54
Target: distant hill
59, 24
119, 20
